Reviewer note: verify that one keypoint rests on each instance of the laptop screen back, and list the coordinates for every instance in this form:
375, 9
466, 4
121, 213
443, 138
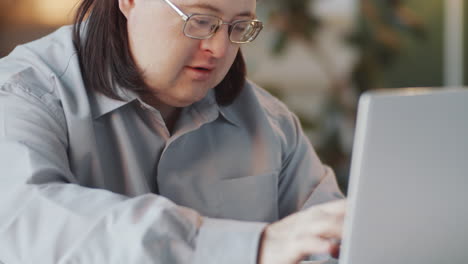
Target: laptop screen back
408, 193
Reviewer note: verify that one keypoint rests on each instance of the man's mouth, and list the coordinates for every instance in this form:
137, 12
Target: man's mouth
200, 68
200, 73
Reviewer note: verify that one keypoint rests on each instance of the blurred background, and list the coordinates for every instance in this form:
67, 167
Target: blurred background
318, 56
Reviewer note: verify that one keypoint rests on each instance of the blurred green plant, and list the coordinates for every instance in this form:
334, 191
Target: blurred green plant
378, 39
292, 20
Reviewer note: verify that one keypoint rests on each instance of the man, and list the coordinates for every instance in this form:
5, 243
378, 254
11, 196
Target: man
134, 138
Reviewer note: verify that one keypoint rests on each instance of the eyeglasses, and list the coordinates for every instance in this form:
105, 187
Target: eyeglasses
200, 26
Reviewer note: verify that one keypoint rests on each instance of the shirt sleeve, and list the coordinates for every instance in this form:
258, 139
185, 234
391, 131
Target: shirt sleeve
47, 217
304, 180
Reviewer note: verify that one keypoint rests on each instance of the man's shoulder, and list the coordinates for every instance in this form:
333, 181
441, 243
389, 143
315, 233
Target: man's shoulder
39, 59
38, 71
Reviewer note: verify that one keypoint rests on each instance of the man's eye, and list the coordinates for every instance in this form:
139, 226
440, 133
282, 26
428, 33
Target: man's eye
241, 27
202, 22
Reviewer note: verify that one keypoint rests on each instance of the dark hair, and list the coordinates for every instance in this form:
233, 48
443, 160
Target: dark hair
105, 58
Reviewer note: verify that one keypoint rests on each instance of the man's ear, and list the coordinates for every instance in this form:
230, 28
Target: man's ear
126, 6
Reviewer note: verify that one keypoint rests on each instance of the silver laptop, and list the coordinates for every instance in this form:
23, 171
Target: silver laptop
408, 193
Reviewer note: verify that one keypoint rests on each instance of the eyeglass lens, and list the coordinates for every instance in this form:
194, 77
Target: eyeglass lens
203, 26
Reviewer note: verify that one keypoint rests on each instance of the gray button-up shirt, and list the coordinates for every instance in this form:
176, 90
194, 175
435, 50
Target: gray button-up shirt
88, 179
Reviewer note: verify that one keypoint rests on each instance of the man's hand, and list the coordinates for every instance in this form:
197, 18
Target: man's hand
312, 231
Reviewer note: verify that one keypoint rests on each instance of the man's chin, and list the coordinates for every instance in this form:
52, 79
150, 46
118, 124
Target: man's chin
184, 102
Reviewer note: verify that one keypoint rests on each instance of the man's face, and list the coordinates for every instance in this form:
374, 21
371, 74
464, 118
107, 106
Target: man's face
180, 70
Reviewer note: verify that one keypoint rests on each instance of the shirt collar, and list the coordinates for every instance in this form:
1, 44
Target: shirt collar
104, 104
225, 111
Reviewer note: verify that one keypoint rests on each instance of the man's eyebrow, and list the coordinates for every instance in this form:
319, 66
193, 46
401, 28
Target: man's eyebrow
217, 10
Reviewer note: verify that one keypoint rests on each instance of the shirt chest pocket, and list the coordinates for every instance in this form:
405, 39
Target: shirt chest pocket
250, 198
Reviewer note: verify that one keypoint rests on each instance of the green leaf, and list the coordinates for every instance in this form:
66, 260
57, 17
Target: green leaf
279, 43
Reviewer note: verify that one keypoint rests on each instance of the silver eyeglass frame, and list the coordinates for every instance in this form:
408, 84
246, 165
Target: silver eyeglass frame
186, 17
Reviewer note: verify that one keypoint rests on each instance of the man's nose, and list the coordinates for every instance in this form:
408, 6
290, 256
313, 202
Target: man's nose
218, 44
